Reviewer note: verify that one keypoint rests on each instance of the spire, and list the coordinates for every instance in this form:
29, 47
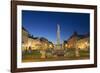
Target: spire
58, 34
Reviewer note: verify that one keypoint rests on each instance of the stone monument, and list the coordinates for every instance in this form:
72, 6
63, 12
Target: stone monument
58, 45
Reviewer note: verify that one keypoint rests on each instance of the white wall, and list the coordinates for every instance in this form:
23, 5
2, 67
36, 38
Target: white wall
5, 36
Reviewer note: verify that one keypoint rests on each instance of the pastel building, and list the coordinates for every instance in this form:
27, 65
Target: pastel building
34, 43
25, 35
81, 42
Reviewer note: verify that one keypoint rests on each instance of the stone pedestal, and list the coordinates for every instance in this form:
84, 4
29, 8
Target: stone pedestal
77, 53
43, 54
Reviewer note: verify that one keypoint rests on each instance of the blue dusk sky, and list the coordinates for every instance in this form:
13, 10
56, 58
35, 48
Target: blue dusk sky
44, 24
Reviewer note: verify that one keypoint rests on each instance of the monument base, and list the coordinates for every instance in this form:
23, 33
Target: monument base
58, 47
58, 50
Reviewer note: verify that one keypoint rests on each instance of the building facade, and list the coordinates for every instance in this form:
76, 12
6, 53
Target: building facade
81, 42
34, 43
25, 35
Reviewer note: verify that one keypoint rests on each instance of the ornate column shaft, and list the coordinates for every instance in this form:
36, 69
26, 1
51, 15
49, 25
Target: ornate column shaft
58, 34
